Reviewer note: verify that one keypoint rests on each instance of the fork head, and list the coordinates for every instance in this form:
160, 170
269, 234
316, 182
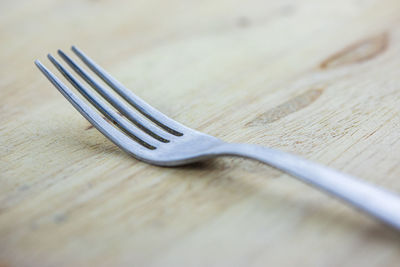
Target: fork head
127, 120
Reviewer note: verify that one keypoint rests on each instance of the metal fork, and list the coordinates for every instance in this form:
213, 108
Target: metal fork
150, 136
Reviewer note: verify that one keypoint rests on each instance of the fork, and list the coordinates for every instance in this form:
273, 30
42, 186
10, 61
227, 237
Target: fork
150, 136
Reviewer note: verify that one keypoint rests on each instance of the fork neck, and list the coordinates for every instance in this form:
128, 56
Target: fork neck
266, 155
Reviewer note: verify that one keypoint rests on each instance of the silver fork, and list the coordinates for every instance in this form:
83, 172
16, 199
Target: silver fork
150, 136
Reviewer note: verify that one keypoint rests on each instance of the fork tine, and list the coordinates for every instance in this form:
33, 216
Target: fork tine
113, 116
140, 122
151, 113
93, 117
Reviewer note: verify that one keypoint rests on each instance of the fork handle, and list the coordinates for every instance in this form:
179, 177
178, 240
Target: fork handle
369, 198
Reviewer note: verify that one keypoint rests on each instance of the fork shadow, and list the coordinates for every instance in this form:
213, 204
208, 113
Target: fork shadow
96, 143
374, 229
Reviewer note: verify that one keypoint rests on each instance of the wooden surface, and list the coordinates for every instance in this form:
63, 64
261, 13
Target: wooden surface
317, 78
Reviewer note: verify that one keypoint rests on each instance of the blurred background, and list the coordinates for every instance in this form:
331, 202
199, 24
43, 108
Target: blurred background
317, 78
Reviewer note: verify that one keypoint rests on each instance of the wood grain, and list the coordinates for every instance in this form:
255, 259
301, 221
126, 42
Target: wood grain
317, 78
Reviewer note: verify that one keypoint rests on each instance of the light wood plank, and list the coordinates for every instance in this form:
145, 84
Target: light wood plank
316, 78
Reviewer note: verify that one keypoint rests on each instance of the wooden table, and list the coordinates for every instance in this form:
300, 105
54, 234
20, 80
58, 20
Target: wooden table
320, 79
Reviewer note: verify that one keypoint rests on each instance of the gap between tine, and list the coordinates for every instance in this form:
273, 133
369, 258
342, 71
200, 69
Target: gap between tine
151, 113
129, 113
113, 116
108, 130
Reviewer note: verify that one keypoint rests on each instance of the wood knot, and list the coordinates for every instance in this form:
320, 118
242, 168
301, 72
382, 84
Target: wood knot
295, 104
358, 52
